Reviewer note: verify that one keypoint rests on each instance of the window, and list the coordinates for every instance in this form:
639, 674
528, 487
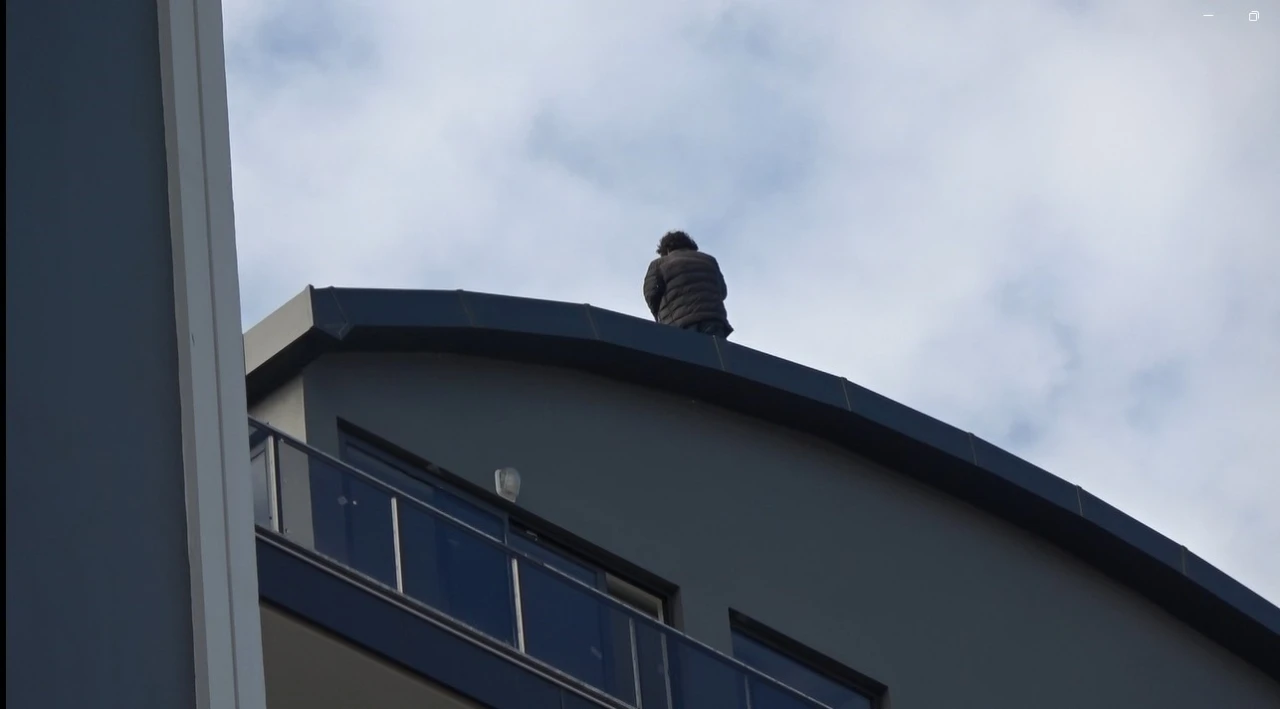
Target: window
564, 561
763, 650
571, 629
538, 600
396, 475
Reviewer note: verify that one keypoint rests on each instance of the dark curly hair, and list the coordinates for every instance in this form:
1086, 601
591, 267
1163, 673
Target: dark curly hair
676, 241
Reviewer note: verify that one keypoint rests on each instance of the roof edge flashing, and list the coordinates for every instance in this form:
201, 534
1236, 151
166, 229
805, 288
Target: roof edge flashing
279, 329
570, 334
327, 313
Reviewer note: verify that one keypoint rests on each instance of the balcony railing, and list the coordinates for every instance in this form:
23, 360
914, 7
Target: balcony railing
392, 536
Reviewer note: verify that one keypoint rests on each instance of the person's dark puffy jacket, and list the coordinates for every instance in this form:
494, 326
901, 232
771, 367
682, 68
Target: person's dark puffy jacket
684, 288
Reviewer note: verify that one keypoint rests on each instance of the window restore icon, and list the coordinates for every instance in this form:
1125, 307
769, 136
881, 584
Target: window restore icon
1253, 15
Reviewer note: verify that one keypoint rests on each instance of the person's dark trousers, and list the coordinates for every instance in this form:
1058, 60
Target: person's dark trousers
715, 328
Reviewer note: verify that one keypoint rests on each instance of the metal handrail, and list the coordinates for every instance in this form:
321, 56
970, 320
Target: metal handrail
440, 619
523, 557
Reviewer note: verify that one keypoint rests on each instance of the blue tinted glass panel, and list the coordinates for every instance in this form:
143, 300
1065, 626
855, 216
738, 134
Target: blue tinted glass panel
387, 473
555, 560
794, 674
570, 629
260, 476
651, 662
456, 572
472, 515
701, 680
351, 522
328, 511
620, 635
767, 696
403, 481
369, 531
295, 481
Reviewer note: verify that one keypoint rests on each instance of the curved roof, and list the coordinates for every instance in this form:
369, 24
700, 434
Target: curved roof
631, 349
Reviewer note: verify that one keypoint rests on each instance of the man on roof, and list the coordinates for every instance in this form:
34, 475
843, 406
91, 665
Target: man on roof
685, 288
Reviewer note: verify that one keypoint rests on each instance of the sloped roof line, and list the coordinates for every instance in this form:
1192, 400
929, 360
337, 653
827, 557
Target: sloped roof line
587, 338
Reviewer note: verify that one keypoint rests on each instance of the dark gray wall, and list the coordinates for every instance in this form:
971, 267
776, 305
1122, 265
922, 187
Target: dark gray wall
97, 603
943, 603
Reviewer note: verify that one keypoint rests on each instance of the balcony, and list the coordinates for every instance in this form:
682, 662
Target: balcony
389, 536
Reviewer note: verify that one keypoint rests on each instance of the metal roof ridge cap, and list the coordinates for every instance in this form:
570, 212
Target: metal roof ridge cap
595, 331
279, 330
466, 309
338, 327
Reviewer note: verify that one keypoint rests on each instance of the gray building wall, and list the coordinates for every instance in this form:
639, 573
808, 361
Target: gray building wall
943, 603
97, 603
284, 408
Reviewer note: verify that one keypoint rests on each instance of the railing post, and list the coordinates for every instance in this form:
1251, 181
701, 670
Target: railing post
273, 482
395, 542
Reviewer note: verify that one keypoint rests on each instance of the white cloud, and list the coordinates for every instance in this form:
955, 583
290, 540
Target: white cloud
1054, 225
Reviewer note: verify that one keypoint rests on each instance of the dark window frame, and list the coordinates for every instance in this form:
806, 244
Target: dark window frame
517, 520
819, 663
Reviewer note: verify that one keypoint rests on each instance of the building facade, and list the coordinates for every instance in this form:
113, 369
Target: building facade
129, 551
697, 525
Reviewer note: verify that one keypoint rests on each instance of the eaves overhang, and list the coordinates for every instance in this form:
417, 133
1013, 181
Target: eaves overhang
621, 347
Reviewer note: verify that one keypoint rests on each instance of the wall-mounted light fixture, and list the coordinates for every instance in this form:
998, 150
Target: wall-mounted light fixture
506, 481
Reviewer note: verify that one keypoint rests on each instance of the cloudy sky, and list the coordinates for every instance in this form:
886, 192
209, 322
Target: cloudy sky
1054, 224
